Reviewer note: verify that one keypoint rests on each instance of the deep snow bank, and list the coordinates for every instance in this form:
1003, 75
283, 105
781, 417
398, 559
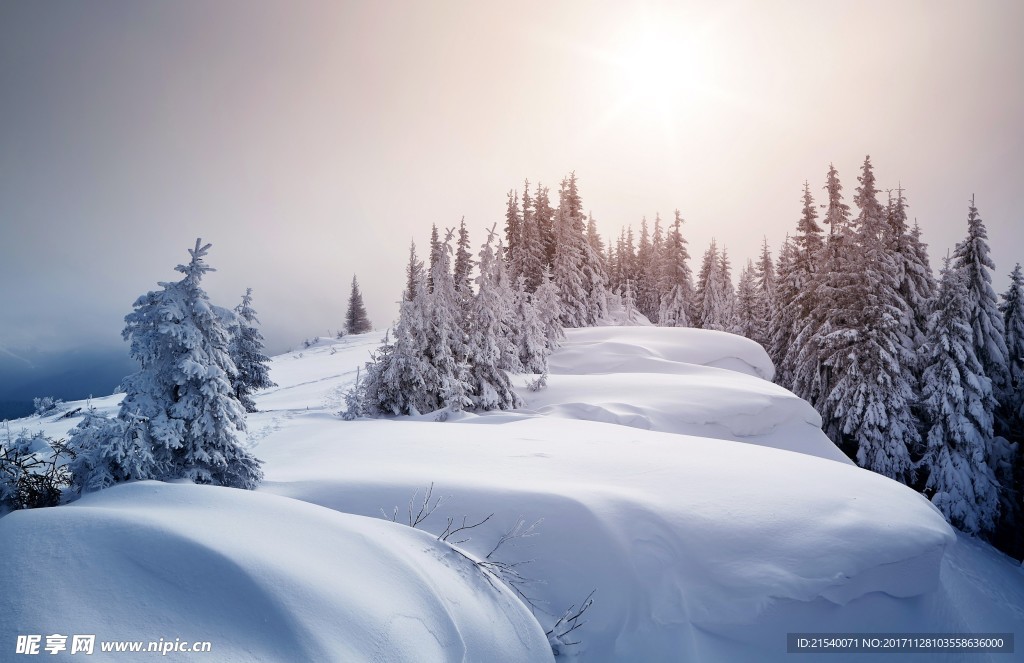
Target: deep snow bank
678, 380
673, 533
260, 577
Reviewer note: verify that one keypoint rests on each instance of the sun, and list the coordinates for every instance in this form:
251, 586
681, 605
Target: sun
657, 69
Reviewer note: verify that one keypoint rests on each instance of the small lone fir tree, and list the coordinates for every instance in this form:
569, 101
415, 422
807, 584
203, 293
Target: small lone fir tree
247, 353
356, 321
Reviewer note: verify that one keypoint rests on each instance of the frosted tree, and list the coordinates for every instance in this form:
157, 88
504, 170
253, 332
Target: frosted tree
958, 402
513, 233
413, 272
531, 341
764, 284
629, 309
435, 255
645, 286
871, 395
713, 304
489, 385
1012, 308
676, 279
446, 348
356, 321
971, 256
795, 298
728, 292
784, 320
544, 218
463, 262
913, 269
746, 303
394, 382
180, 406
529, 260
246, 349
549, 310
808, 235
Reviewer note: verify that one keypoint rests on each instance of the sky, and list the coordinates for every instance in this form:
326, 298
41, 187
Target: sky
310, 141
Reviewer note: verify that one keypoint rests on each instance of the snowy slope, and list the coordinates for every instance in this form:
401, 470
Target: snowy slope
706, 537
259, 577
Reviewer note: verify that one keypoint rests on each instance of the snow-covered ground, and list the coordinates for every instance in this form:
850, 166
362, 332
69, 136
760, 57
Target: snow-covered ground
700, 501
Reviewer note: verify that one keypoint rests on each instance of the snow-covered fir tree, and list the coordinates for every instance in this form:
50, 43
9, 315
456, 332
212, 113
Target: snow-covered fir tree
247, 354
356, 321
764, 283
531, 341
463, 262
490, 341
447, 381
713, 298
544, 219
180, 417
871, 395
549, 310
513, 232
528, 261
394, 382
958, 401
413, 272
676, 279
971, 256
1012, 309
746, 321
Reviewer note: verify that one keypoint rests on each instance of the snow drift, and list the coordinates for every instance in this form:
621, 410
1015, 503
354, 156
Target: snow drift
260, 577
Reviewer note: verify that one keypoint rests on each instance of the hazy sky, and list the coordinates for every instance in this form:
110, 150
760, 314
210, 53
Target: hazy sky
312, 140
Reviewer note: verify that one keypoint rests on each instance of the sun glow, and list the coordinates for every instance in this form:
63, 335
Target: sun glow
657, 69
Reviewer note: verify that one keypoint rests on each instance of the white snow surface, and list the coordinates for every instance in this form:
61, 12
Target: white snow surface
707, 513
260, 577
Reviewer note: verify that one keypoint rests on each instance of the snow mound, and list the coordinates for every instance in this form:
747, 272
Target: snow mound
676, 380
260, 577
596, 350
673, 533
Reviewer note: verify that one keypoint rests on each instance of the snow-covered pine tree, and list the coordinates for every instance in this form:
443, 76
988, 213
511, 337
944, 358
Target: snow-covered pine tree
645, 286
764, 282
435, 251
676, 279
513, 232
356, 321
958, 402
447, 384
489, 385
714, 294
746, 303
629, 310
783, 322
549, 310
728, 292
872, 391
530, 258
804, 269
1009, 534
917, 283
413, 271
971, 256
567, 269
246, 350
705, 284
1012, 309
544, 218
595, 276
180, 404
531, 341
463, 263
